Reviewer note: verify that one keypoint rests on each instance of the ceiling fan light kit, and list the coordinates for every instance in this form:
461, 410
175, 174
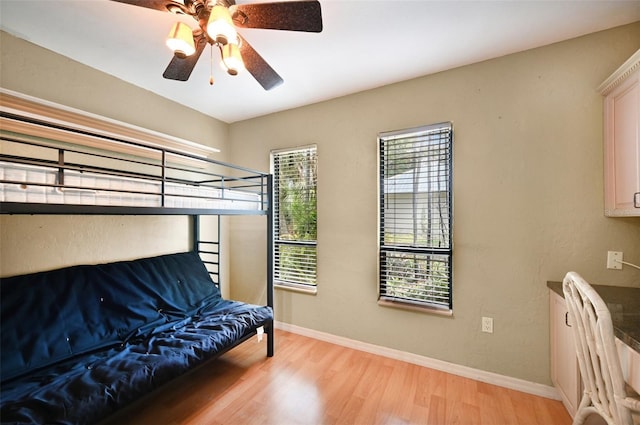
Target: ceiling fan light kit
217, 22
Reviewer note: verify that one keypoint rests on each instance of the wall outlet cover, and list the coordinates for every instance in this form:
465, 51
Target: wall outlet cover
487, 325
614, 259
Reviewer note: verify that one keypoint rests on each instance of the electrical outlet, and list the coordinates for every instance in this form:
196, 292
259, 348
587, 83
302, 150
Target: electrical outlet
487, 325
613, 260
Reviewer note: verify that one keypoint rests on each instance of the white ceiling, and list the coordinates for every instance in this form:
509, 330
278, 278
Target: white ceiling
364, 44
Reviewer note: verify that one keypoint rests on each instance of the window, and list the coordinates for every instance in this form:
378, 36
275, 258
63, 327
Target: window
415, 216
295, 224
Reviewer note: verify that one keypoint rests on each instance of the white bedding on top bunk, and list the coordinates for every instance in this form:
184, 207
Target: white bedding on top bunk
92, 190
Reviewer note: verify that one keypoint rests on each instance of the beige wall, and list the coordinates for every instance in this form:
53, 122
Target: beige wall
528, 202
30, 244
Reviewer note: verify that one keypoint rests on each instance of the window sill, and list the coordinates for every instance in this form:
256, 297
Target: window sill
292, 287
417, 308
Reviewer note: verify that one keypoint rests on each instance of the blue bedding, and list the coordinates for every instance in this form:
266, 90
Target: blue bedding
81, 342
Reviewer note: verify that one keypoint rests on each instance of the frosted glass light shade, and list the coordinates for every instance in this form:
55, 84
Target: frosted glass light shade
220, 26
231, 58
180, 40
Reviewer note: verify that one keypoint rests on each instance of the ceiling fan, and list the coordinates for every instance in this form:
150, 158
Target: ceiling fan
217, 22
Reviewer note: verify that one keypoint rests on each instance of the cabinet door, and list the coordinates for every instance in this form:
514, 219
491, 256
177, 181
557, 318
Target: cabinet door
622, 148
565, 372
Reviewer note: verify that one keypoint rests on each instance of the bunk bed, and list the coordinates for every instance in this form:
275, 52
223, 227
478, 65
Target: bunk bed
81, 342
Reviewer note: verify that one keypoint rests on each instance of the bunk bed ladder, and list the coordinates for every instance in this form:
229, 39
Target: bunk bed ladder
209, 251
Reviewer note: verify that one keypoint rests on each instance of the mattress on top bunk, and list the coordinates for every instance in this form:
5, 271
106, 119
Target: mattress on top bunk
85, 188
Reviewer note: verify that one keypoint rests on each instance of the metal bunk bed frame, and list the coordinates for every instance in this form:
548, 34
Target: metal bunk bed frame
250, 180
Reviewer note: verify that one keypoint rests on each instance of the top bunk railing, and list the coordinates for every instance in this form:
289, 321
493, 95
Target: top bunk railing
42, 175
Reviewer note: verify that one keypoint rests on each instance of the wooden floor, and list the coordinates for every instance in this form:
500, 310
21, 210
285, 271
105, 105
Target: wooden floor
315, 382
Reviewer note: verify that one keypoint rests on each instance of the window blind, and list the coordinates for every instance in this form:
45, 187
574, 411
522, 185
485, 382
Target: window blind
295, 216
416, 216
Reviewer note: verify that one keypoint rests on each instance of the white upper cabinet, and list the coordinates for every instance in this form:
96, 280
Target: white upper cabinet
622, 140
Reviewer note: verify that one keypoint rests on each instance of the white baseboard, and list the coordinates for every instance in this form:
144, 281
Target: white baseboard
464, 371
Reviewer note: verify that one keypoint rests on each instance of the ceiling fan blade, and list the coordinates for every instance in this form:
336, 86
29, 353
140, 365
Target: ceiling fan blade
180, 68
162, 5
258, 67
301, 15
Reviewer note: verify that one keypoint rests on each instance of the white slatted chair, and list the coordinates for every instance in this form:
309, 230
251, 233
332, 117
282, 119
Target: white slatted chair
605, 391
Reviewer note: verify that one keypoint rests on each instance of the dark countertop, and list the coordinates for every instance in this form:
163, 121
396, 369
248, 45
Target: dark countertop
624, 305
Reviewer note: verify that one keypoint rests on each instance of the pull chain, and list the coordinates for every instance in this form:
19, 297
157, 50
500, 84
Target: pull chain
211, 64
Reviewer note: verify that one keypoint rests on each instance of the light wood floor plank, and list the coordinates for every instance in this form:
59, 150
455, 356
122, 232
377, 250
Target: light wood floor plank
311, 382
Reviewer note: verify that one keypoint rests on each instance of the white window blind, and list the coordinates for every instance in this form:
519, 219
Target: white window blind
295, 216
416, 216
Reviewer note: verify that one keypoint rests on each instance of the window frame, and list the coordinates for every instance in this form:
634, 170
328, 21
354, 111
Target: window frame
291, 285
384, 248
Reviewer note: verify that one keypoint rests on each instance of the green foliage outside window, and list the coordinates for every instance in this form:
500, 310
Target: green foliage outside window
295, 177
